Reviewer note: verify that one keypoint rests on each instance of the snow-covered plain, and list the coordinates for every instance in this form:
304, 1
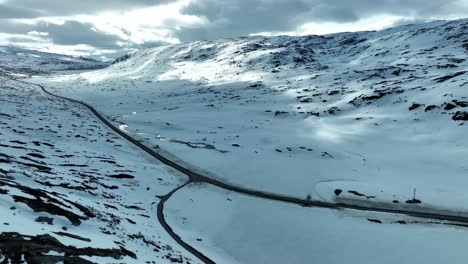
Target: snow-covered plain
233, 228
71, 191
380, 112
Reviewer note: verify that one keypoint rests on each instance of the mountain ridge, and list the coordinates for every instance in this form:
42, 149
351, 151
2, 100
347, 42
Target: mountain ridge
26, 61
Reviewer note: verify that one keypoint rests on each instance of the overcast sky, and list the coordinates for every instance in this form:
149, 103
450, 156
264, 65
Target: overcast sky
102, 27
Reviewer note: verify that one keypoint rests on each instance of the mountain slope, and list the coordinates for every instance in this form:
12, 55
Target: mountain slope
373, 111
359, 118
72, 191
24, 61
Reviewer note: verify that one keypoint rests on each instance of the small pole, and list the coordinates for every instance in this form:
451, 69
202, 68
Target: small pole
414, 194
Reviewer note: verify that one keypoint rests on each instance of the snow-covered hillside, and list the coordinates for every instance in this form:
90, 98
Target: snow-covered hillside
22, 61
73, 191
358, 118
377, 113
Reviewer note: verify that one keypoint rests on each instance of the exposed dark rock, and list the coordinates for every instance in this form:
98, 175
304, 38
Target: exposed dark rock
333, 110
360, 194
40, 168
430, 108
460, 103
414, 106
121, 176
352, 41
65, 234
306, 100
465, 46
45, 219
38, 205
7, 115
15, 248
449, 106
45, 202
460, 116
18, 142
448, 77
298, 59
123, 58
277, 113
36, 155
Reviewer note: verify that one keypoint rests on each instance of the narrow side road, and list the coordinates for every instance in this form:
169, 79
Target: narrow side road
196, 177
171, 232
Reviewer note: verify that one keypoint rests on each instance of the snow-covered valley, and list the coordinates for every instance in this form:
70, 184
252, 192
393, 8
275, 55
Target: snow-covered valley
290, 114
252, 230
373, 119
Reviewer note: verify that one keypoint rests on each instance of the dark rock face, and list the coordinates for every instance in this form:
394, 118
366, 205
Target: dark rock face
449, 106
460, 103
414, 106
123, 58
430, 108
460, 116
352, 41
465, 46
450, 76
122, 176
45, 219
360, 194
35, 249
338, 192
277, 113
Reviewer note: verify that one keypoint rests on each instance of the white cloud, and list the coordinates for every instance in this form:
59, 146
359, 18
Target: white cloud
36, 33
123, 25
146, 24
372, 23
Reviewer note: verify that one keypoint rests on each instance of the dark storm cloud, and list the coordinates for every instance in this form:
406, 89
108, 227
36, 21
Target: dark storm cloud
16, 12
242, 17
73, 32
68, 33
352, 10
75, 7
224, 18
233, 18
10, 27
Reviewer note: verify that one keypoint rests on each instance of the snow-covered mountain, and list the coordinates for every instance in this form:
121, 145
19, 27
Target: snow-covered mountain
359, 118
23, 61
378, 111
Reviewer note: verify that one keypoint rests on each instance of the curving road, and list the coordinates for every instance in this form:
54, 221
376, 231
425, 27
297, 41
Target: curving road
197, 177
